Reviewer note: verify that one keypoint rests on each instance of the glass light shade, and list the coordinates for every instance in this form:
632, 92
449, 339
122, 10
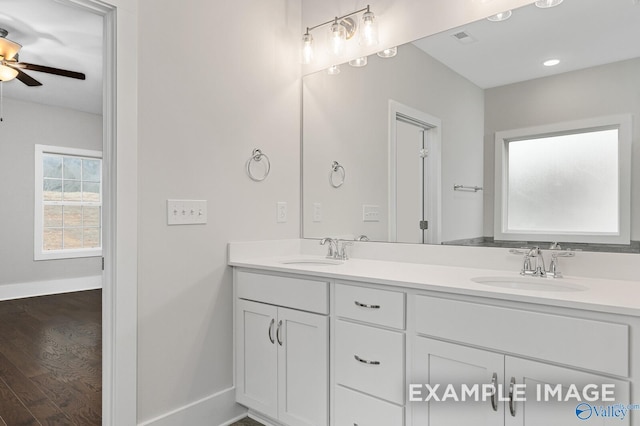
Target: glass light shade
543, 4
7, 73
502, 16
337, 39
358, 62
369, 30
388, 53
333, 70
307, 49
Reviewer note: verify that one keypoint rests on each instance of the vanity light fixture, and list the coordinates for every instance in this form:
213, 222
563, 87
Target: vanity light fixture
358, 62
342, 28
369, 31
545, 4
333, 70
388, 53
499, 17
551, 62
307, 48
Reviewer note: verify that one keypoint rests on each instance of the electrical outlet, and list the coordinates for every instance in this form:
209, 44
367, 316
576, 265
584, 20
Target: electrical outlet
281, 211
186, 212
317, 212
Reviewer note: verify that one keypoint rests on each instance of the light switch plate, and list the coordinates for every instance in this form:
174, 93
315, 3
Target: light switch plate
370, 213
281, 211
186, 212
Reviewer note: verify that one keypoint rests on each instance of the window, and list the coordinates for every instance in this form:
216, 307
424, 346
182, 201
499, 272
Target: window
566, 182
68, 203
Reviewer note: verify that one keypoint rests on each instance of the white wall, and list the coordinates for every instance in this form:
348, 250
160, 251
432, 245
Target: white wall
346, 119
594, 92
400, 21
25, 125
217, 79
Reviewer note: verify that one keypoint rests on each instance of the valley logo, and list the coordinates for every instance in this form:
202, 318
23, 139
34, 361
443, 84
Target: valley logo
586, 411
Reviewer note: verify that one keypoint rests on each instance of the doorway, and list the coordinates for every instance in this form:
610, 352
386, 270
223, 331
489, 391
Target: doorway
414, 175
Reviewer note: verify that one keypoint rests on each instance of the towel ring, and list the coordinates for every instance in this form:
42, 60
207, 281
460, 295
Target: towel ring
257, 155
337, 169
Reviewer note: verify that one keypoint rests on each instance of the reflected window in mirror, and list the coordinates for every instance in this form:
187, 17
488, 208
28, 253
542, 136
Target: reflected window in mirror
567, 182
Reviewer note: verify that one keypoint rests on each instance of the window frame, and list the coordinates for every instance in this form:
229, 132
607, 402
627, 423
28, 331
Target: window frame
623, 123
39, 253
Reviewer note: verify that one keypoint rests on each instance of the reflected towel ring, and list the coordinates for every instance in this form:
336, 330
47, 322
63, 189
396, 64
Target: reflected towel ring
337, 169
257, 155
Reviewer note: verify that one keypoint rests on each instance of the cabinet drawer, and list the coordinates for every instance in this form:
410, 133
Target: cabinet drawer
578, 342
370, 305
354, 408
371, 360
296, 293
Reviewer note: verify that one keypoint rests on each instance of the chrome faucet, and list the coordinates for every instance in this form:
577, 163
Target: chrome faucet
535, 268
332, 251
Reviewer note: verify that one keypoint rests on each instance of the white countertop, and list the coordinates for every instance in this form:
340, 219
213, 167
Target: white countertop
603, 295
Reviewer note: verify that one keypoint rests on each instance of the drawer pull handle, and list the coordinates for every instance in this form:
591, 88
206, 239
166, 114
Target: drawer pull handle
273, 321
278, 333
364, 361
363, 305
494, 384
512, 404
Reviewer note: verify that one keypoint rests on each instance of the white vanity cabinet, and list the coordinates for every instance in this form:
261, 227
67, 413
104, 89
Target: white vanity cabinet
282, 353
506, 337
369, 356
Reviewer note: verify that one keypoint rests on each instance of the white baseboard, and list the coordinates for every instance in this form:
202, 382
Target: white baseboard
43, 288
218, 409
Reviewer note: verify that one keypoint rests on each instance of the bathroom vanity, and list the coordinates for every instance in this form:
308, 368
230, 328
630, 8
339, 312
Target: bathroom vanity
365, 342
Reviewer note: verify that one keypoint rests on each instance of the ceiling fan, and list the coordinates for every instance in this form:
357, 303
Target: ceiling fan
11, 67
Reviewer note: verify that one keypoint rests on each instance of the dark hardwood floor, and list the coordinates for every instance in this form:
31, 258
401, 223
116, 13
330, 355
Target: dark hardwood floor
51, 360
247, 422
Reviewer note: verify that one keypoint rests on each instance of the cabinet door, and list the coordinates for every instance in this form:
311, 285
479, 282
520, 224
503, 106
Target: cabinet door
436, 362
303, 368
256, 356
535, 375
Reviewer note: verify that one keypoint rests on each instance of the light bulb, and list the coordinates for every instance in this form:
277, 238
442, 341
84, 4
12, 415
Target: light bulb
388, 53
333, 70
307, 48
551, 62
7, 73
544, 4
358, 62
337, 39
369, 29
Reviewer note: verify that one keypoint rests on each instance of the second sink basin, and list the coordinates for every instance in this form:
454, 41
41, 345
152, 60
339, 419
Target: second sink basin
530, 283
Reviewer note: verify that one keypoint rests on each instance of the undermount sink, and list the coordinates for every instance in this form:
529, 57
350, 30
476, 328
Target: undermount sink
312, 261
530, 283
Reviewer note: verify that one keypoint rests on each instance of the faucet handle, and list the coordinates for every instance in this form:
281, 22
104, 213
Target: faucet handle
331, 253
343, 250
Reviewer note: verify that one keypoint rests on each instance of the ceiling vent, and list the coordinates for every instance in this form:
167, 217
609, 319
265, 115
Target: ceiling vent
464, 37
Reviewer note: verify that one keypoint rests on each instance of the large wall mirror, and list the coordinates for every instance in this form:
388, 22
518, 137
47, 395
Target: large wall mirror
425, 147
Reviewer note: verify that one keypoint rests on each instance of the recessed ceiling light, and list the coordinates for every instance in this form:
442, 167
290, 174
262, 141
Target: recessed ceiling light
358, 62
551, 62
544, 4
502, 16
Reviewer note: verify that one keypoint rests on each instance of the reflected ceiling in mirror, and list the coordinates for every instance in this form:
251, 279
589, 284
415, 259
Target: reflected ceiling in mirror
410, 128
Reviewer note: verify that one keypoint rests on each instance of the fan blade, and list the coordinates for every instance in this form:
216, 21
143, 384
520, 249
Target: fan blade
27, 79
51, 70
